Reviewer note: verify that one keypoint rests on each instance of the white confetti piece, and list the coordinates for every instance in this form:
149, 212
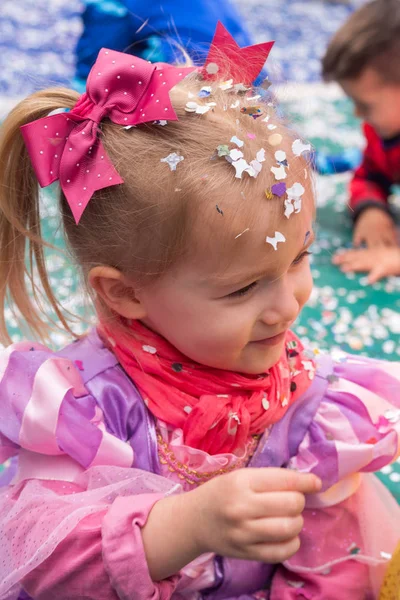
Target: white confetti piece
296, 191
278, 237
265, 403
235, 154
235, 140
260, 156
149, 349
257, 166
236, 104
226, 85
279, 172
271, 127
199, 109
172, 160
299, 147
280, 155
243, 166
256, 97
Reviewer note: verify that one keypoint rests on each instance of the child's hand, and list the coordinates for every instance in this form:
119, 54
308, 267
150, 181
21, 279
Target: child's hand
374, 227
378, 262
253, 514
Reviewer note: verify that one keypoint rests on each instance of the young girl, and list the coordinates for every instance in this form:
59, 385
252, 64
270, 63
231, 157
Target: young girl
170, 452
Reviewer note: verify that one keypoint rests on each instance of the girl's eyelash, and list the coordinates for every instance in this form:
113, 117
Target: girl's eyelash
245, 290
298, 260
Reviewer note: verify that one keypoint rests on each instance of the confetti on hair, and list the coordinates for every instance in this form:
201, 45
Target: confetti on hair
257, 166
178, 189
251, 136
235, 154
274, 241
235, 104
271, 126
251, 98
199, 109
268, 194
242, 166
223, 150
235, 140
278, 189
280, 156
205, 91
239, 234
241, 88
221, 212
172, 160
279, 172
260, 156
298, 147
212, 68
293, 201
252, 111
226, 85
275, 139
161, 122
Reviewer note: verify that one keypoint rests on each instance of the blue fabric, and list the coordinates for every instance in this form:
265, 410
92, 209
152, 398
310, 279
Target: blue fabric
115, 24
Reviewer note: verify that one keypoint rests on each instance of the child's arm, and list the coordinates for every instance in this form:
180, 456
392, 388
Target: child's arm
377, 262
99, 542
369, 191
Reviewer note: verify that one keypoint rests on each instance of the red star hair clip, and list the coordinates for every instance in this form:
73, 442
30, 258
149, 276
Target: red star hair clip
227, 60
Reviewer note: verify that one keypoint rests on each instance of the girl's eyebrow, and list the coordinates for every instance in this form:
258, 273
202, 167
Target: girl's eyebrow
244, 278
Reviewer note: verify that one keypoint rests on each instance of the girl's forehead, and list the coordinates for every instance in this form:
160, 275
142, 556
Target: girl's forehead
251, 227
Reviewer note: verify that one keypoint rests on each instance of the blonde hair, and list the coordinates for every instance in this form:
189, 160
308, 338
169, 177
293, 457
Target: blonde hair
140, 227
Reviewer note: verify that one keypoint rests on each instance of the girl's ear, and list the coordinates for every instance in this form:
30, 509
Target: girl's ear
118, 294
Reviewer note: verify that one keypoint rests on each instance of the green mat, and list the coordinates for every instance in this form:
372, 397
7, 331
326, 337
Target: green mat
344, 313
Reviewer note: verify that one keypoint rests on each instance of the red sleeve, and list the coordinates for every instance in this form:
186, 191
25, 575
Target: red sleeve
372, 180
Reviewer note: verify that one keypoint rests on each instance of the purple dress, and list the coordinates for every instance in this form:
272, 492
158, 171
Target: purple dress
75, 418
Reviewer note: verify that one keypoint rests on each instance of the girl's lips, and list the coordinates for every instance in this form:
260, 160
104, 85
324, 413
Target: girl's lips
272, 341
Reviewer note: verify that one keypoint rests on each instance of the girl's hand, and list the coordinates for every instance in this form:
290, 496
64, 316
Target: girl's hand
253, 514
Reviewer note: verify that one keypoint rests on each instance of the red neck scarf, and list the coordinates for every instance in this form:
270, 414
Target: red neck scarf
217, 410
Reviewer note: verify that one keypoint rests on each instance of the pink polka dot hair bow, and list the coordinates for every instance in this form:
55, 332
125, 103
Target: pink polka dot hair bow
67, 146
128, 91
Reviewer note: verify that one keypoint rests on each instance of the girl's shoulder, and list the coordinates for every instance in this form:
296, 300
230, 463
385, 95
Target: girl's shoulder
50, 402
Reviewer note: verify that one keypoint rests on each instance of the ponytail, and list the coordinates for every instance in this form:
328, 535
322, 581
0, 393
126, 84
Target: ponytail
21, 242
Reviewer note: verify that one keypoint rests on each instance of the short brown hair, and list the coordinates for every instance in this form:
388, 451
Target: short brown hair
370, 38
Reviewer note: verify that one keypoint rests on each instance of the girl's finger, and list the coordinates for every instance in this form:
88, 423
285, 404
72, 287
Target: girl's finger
271, 531
277, 504
273, 553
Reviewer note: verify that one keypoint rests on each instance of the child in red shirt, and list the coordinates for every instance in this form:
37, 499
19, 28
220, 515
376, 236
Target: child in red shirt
364, 58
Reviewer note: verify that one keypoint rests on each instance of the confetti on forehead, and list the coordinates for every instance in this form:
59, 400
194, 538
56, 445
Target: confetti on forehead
274, 241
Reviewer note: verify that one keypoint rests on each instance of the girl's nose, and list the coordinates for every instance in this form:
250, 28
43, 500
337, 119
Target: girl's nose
281, 308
